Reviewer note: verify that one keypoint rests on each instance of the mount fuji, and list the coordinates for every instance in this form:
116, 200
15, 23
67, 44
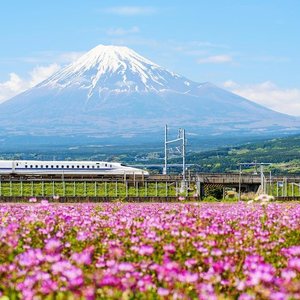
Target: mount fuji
113, 91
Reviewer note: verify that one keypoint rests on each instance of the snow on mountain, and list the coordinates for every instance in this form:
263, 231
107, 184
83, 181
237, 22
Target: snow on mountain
111, 69
113, 90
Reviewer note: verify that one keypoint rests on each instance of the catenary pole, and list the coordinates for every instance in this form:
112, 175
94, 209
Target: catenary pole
166, 151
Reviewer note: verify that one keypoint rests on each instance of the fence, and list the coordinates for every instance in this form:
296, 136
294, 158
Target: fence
94, 188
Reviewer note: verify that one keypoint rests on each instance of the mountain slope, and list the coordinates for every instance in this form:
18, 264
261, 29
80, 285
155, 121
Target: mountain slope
114, 90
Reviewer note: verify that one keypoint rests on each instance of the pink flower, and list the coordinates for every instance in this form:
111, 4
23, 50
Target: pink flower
216, 252
30, 258
288, 274
74, 276
169, 248
53, 246
89, 292
60, 266
126, 267
188, 277
145, 250
109, 280
163, 292
246, 297
48, 286
83, 258
190, 262
82, 235
294, 263
293, 251
116, 251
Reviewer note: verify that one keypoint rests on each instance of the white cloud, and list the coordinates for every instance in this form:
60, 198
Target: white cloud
130, 10
215, 59
11, 87
40, 73
230, 84
203, 49
285, 100
122, 31
16, 85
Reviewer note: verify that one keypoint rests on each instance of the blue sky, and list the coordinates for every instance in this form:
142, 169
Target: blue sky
249, 47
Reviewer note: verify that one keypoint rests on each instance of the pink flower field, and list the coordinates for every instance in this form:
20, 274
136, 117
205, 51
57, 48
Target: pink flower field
150, 251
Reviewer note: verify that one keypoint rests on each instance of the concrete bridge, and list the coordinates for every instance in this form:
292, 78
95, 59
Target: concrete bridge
240, 182
279, 186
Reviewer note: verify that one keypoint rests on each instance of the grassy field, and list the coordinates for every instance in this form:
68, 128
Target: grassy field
95, 189
121, 189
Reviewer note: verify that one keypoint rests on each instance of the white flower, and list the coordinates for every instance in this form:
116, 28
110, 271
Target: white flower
264, 198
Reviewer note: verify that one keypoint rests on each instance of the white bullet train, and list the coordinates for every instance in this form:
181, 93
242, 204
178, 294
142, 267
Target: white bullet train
38, 167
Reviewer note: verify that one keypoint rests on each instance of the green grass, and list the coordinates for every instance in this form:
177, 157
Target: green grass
95, 189
282, 153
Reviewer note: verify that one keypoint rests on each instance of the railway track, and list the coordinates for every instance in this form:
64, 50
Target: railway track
201, 177
141, 186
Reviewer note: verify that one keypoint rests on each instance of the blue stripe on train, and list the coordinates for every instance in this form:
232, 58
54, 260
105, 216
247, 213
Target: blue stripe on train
59, 169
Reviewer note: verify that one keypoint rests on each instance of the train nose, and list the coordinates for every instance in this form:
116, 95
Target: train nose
136, 171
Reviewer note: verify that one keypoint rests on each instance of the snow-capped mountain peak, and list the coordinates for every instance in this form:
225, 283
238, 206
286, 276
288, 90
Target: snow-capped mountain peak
115, 69
113, 90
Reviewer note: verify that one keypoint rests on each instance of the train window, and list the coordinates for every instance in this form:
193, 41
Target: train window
68, 167
41, 166
17, 164
105, 165
88, 167
51, 167
62, 166
31, 166
47, 166
26, 166
98, 167
57, 166
82, 167
36, 166
72, 167
78, 167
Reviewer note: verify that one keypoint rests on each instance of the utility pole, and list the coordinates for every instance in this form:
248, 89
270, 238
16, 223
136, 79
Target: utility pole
182, 135
165, 171
270, 184
240, 179
262, 176
262, 179
181, 150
